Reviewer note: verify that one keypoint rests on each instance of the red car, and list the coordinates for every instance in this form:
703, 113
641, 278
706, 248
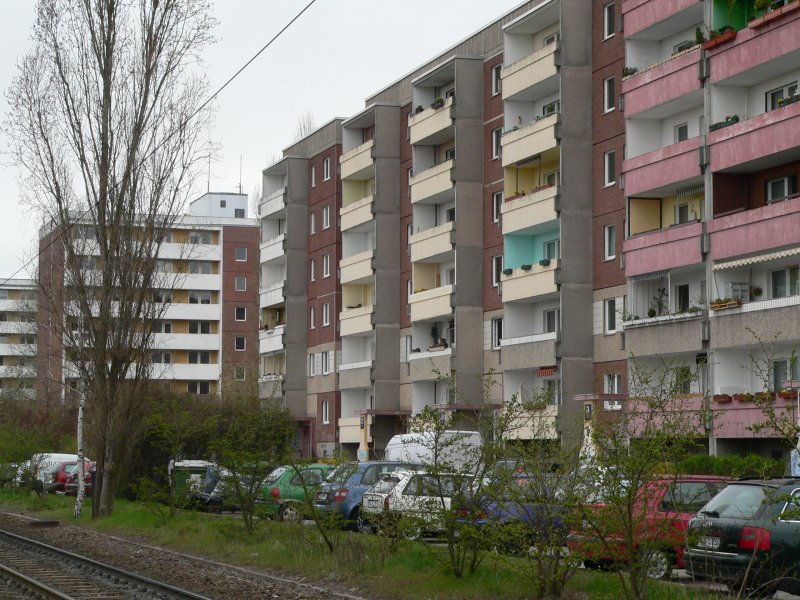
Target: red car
669, 503
61, 475
71, 488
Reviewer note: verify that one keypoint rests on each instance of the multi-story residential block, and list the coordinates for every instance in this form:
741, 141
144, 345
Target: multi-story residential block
207, 337
18, 336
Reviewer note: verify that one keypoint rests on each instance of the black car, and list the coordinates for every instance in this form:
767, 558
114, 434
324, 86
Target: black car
748, 536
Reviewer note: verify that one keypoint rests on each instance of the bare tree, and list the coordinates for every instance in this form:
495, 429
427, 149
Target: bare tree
106, 120
305, 124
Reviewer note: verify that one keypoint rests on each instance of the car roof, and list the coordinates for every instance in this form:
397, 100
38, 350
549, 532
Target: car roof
772, 482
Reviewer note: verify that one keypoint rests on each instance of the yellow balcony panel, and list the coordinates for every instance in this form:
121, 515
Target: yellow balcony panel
529, 72
357, 163
430, 304
530, 140
432, 125
541, 425
523, 212
356, 268
537, 281
432, 182
432, 242
356, 213
350, 431
355, 320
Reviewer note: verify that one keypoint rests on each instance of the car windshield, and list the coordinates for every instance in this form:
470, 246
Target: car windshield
341, 473
737, 502
274, 475
385, 485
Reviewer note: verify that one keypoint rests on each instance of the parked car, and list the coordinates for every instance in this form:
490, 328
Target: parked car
286, 489
458, 449
749, 534
43, 467
71, 486
665, 507
61, 475
344, 488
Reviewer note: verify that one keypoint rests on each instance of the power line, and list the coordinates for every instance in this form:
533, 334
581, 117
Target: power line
166, 138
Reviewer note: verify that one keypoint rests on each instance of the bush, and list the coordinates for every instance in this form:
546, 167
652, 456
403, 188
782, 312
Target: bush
733, 465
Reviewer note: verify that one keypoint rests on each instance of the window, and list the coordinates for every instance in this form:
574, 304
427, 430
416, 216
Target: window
200, 267
497, 206
684, 45
612, 383
775, 97
163, 266
239, 343
239, 373
552, 178
312, 365
681, 214
240, 313
238, 213
497, 136
199, 387
609, 98
199, 357
199, 237
551, 249
326, 217
496, 79
241, 254
682, 298
223, 203
451, 333
550, 39
410, 174
778, 189
681, 132
312, 318
550, 319
312, 224
740, 291
326, 417
609, 168
312, 268
162, 358
162, 327
608, 21
326, 265
450, 276
682, 379
162, 296
450, 215
327, 363
326, 169
550, 108
409, 347
552, 389
240, 284
326, 314
784, 370
610, 312
785, 282
3, 294
497, 332
610, 241
313, 176
409, 290
199, 297
200, 327
497, 269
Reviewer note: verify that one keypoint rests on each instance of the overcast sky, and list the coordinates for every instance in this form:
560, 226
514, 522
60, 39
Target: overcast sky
332, 58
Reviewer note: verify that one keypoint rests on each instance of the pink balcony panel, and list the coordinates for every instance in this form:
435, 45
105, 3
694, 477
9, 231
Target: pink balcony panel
664, 82
677, 246
641, 14
661, 167
763, 135
758, 230
754, 47
734, 419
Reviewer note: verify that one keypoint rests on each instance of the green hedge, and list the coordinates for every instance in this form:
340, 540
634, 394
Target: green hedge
733, 465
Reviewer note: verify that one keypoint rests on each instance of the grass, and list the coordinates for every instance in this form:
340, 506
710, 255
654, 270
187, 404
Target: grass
361, 562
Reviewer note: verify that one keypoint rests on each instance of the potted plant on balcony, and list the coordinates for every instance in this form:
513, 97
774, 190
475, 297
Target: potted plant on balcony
723, 398
526, 267
508, 271
545, 262
722, 303
419, 109
438, 102
729, 120
628, 71
788, 394
756, 291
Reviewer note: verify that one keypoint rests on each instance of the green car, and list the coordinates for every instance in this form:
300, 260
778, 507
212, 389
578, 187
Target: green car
286, 489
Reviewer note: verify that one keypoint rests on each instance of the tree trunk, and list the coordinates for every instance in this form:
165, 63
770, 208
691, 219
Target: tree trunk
106, 500
81, 460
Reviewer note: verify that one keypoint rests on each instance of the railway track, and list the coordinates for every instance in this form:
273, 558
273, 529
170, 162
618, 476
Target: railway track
31, 569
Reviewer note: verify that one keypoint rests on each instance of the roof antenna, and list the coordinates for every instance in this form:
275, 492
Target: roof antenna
240, 173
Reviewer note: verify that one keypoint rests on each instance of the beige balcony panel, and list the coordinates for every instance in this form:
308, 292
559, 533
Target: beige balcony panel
350, 431
432, 181
356, 213
521, 285
529, 71
529, 210
526, 353
357, 161
355, 320
356, 378
430, 122
356, 267
431, 303
424, 369
530, 140
432, 242
542, 425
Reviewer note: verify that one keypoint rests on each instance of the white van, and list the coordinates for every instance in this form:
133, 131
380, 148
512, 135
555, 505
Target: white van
459, 450
45, 465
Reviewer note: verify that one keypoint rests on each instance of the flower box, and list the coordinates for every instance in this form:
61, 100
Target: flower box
773, 15
723, 398
545, 262
728, 121
724, 305
719, 39
526, 267
508, 271
437, 103
788, 394
746, 397
789, 100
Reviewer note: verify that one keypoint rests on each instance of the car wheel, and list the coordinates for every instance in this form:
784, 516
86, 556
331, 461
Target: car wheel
291, 513
360, 524
659, 566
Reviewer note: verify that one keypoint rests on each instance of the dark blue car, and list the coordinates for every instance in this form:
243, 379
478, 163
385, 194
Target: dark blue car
344, 488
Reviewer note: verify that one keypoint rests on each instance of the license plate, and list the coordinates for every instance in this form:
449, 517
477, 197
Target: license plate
322, 496
372, 503
708, 543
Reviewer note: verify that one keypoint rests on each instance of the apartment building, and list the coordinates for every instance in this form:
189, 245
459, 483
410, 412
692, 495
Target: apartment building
206, 340
17, 336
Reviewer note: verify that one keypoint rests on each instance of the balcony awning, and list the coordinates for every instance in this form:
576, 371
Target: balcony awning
650, 276
751, 260
546, 371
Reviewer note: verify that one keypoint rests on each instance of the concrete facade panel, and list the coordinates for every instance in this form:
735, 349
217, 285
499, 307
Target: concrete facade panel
528, 356
662, 167
662, 83
732, 328
665, 249
665, 339
355, 378
641, 14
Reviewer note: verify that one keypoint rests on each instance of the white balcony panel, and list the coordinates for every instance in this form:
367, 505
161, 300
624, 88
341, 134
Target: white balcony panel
199, 282
271, 295
17, 350
357, 163
17, 305
174, 251
538, 281
431, 303
193, 312
186, 341
186, 371
357, 365
17, 372
530, 140
432, 182
356, 268
271, 341
355, 320
529, 72
432, 242
17, 327
430, 125
356, 213
272, 248
529, 339
529, 211
273, 203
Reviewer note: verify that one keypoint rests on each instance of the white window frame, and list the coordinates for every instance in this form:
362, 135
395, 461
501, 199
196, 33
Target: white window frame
326, 413
609, 313
679, 128
326, 314
609, 168
312, 318
312, 366
552, 244
497, 333
240, 284
236, 343
497, 143
326, 216
610, 242
497, 79
551, 108
326, 265
497, 205
612, 383
239, 373
787, 90
497, 269
326, 363
609, 21
409, 289
312, 266
236, 313
326, 169
313, 176
312, 224
787, 187
609, 95
556, 322
244, 249
679, 208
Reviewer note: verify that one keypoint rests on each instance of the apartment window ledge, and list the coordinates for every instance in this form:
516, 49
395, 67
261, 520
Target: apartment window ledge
661, 319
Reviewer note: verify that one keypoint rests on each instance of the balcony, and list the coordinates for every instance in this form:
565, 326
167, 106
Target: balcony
351, 432
271, 341
541, 425
529, 211
192, 312
430, 304
186, 341
533, 76
674, 15
757, 230
192, 281
525, 351
424, 365
273, 203
357, 163
355, 375
17, 371
762, 138
434, 183
773, 319
17, 327
432, 125
272, 248
184, 371
433, 243
271, 295
530, 140
671, 87
664, 335
356, 213
538, 281
175, 251
663, 249
736, 419
12, 305
355, 320
356, 268
663, 167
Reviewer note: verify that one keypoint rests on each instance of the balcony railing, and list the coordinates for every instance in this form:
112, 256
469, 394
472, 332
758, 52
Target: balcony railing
529, 71
539, 280
429, 304
432, 242
523, 212
355, 320
432, 182
356, 213
356, 268
357, 163
273, 203
529, 140
431, 124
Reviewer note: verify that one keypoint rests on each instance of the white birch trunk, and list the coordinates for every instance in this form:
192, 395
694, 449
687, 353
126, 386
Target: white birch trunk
81, 460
